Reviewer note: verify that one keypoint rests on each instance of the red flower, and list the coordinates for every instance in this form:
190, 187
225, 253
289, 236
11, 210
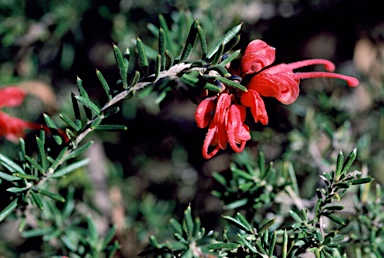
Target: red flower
12, 127
225, 113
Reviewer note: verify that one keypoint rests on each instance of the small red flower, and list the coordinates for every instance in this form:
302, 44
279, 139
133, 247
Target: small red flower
224, 114
12, 127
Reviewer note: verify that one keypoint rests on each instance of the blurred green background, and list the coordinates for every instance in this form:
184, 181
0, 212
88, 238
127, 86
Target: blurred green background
140, 178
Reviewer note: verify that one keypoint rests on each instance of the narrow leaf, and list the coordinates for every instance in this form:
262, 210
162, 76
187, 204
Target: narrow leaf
59, 158
203, 41
362, 181
232, 84
347, 164
26, 176
51, 195
285, 244
142, 56
224, 40
17, 189
68, 169
158, 66
188, 221
8, 177
230, 58
190, 41
7, 210
339, 164
81, 89
169, 59
36, 199
218, 55
135, 79
266, 226
67, 120
335, 218
53, 129
222, 246
76, 109
10, 164
120, 64
92, 231
247, 244
43, 156
162, 47
89, 104
104, 84
108, 238
176, 226
111, 128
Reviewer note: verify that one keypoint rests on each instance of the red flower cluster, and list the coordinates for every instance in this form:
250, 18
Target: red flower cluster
224, 114
12, 127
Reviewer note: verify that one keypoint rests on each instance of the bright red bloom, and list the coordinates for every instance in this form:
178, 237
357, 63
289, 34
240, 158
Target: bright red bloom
12, 127
225, 113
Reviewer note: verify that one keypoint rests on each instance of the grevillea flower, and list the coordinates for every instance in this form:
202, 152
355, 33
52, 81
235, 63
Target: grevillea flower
225, 113
12, 127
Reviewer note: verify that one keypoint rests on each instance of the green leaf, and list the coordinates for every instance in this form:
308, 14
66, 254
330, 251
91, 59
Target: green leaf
53, 129
266, 226
158, 64
222, 246
213, 87
8, 210
189, 80
339, 164
76, 109
347, 164
162, 47
224, 40
17, 189
203, 41
362, 181
335, 218
10, 164
108, 238
190, 41
272, 244
232, 84
43, 156
36, 199
89, 104
220, 69
142, 56
51, 195
295, 216
105, 85
81, 89
217, 57
135, 79
36, 232
93, 234
236, 223
169, 59
285, 244
8, 177
188, 221
230, 58
219, 178
164, 26
35, 164
121, 65
247, 244
176, 226
111, 128
59, 158
76, 152
96, 122
26, 176
236, 204
67, 120
68, 169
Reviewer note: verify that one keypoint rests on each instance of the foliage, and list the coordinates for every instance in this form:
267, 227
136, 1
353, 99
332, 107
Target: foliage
275, 205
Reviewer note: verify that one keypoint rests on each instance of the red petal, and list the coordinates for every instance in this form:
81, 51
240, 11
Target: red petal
203, 112
237, 132
223, 103
11, 96
282, 86
13, 128
257, 55
208, 142
253, 100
